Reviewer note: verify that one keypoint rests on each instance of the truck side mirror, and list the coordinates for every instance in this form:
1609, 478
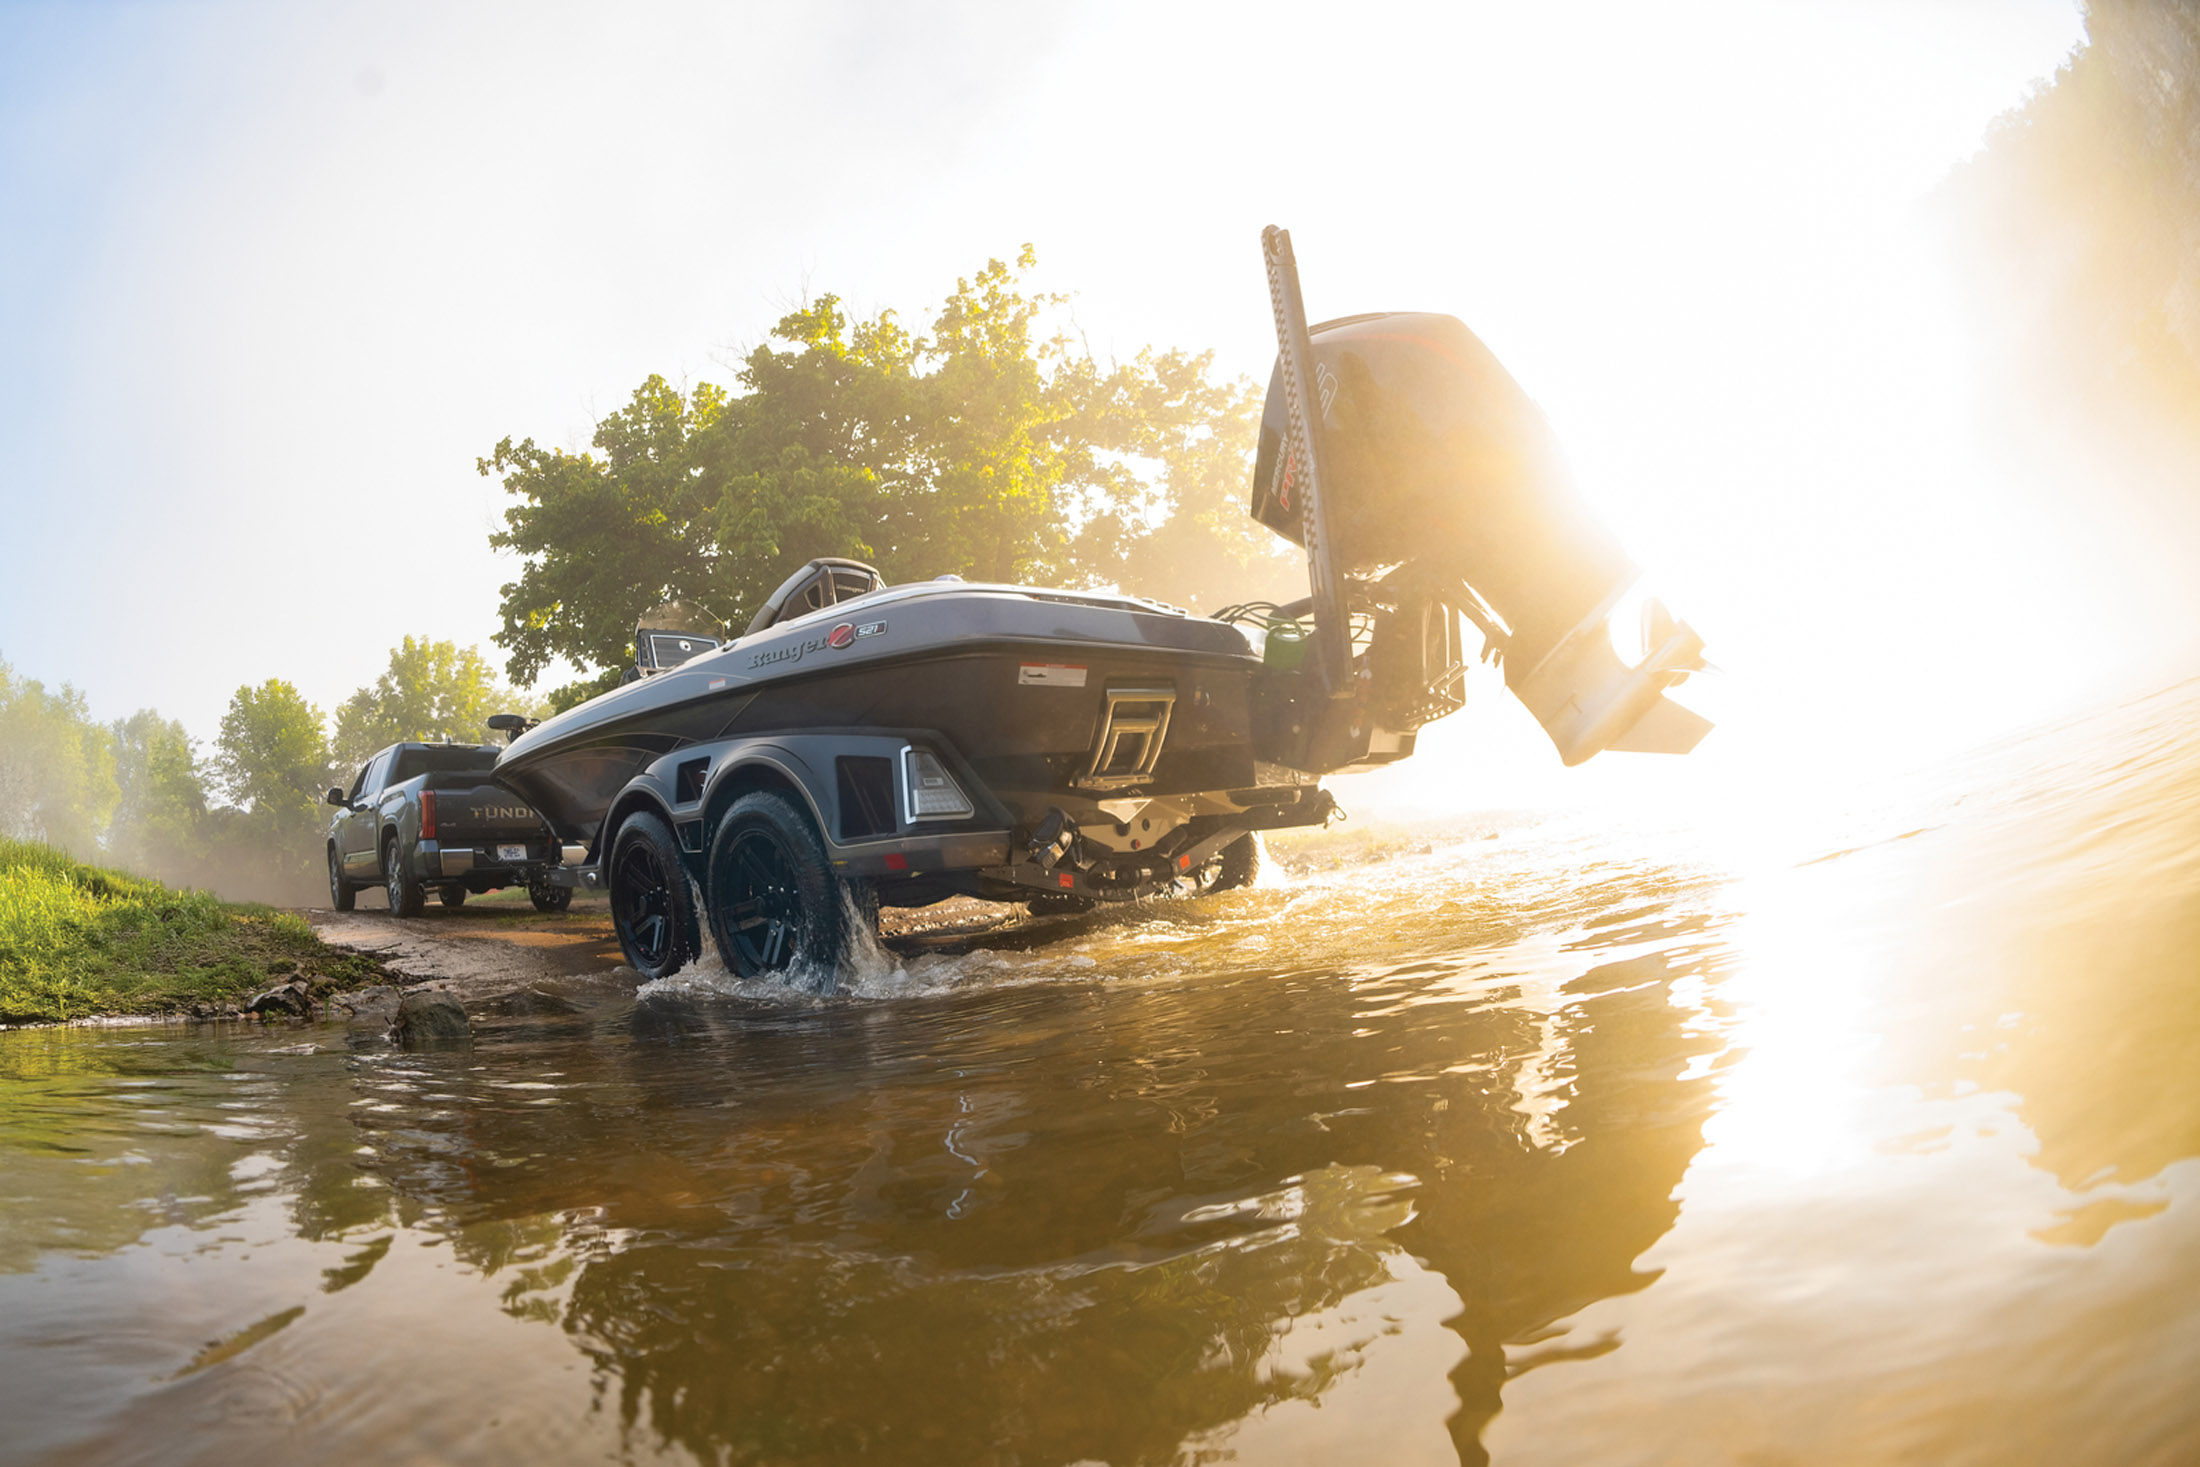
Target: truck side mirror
336, 797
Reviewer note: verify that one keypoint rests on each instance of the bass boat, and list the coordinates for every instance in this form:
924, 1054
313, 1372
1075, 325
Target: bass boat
864, 744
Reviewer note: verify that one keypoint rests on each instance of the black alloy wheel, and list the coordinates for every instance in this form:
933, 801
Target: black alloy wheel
548, 898
407, 895
341, 896
453, 897
652, 908
773, 899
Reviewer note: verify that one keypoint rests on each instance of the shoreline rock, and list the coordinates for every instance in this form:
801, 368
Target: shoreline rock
430, 1018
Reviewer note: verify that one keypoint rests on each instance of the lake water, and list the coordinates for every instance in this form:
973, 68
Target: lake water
1835, 1128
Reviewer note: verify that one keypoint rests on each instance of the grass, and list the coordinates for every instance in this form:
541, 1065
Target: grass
79, 941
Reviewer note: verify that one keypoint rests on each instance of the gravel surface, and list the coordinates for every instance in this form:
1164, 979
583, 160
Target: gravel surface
486, 949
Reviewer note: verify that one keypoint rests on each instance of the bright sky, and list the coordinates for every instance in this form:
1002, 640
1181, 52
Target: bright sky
271, 277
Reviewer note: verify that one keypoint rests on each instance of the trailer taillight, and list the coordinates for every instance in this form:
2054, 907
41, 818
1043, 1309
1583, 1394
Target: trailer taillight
427, 814
929, 792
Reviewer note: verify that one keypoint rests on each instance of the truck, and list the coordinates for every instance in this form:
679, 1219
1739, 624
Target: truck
427, 816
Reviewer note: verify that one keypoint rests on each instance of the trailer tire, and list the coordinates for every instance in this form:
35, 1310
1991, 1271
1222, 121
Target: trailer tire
1243, 860
407, 896
453, 897
1237, 864
342, 895
772, 897
548, 898
652, 905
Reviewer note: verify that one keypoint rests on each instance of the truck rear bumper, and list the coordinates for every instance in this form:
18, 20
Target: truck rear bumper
440, 862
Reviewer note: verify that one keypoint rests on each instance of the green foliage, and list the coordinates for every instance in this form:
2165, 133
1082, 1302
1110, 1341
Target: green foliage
136, 792
77, 940
272, 759
573, 694
990, 448
1010, 460
604, 539
1182, 533
57, 767
160, 818
432, 691
2083, 213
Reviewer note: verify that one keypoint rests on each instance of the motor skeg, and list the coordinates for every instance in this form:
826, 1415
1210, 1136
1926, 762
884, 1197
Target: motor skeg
1434, 460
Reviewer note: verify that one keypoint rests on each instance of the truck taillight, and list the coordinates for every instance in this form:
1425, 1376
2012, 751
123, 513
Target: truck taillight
427, 814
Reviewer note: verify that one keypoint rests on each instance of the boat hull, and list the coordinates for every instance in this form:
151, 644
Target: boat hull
1015, 689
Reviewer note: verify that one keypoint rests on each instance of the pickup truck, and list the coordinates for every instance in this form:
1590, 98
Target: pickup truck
426, 815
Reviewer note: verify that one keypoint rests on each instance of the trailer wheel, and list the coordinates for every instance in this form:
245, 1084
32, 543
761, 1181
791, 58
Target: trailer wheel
548, 898
652, 907
1242, 862
772, 898
406, 894
341, 894
1237, 864
453, 897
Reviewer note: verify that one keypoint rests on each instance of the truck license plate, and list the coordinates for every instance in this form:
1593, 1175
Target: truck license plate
511, 853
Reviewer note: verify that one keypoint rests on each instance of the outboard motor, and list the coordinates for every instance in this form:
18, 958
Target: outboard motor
1426, 487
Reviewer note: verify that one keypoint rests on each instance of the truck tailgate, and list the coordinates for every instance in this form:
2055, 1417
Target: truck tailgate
470, 812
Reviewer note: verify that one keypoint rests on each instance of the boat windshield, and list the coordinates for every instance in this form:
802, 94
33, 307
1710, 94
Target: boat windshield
670, 649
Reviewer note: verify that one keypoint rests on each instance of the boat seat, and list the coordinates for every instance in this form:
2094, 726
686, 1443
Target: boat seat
823, 582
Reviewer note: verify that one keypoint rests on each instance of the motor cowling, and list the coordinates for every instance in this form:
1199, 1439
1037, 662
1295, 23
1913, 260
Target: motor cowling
1437, 467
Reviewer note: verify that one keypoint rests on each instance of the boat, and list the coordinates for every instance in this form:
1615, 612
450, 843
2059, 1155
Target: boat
864, 744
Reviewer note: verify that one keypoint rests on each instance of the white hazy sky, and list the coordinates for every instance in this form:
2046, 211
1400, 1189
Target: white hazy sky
272, 276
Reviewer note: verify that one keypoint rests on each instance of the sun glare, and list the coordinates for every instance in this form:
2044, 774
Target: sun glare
1802, 1000
1790, 444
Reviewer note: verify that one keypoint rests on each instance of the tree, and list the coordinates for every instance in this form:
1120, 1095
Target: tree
57, 767
1182, 532
704, 498
272, 759
159, 824
603, 539
990, 448
431, 691
2083, 217
1010, 464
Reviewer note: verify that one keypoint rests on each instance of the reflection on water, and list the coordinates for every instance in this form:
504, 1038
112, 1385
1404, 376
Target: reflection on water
1872, 1140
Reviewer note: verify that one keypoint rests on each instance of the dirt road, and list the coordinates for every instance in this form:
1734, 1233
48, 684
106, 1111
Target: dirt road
489, 948
481, 948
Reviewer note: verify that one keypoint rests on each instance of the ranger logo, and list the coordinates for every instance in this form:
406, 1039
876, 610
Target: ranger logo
841, 636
